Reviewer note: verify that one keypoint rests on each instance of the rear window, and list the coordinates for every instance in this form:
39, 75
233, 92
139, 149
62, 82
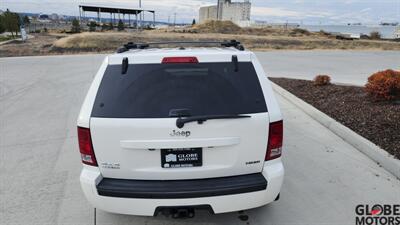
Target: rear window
153, 90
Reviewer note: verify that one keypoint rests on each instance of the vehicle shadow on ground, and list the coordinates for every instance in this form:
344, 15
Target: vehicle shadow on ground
201, 217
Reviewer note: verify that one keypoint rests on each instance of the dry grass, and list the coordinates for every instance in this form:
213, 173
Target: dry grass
214, 26
88, 41
228, 27
39, 45
253, 38
111, 41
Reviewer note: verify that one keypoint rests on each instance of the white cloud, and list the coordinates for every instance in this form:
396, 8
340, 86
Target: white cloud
366, 10
277, 12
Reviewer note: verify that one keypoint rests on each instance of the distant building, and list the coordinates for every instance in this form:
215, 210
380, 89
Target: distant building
208, 13
397, 32
226, 10
54, 16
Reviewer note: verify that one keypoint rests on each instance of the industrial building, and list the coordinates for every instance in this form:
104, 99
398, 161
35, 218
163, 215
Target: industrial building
237, 12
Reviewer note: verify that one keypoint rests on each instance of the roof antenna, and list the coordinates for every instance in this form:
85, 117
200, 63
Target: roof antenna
235, 63
125, 64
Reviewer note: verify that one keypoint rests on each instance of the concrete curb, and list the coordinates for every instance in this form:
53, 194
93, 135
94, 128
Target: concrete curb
6, 42
374, 152
17, 39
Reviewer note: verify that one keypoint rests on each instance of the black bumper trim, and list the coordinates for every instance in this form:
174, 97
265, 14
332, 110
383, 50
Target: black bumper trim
170, 189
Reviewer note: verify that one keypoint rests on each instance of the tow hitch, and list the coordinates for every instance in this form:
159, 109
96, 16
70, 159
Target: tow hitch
182, 212
177, 213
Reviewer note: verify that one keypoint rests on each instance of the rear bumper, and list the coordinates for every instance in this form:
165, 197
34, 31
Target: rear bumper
224, 194
167, 189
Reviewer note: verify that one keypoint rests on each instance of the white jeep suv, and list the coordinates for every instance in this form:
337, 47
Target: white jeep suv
176, 129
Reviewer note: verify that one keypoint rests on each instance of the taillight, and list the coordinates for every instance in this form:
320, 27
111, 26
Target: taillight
86, 147
167, 60
274, 149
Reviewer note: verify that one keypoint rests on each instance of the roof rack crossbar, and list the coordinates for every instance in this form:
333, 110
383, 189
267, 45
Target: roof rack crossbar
227, 44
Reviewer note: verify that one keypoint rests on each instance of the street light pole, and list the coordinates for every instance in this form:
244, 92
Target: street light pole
174, 20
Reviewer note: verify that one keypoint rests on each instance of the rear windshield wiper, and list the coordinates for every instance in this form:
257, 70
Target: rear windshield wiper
180, 122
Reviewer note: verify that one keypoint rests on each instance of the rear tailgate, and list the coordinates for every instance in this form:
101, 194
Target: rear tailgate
131, 121
230, 147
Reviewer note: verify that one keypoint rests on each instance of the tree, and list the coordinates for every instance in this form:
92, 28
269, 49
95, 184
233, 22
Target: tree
26, 20
121, 25
375, 35
92, 26
11, 22
76, 27
2, 28
193, 22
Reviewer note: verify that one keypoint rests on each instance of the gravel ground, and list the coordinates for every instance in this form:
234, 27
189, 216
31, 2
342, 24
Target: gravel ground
379, 122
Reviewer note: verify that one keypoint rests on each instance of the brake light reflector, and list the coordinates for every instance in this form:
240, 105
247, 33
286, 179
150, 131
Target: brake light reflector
86, 147
274, 149
167, 60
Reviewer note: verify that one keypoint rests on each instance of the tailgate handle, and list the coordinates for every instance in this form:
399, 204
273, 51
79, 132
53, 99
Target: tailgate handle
179, 143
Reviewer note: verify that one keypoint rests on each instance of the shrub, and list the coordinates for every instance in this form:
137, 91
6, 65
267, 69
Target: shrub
375, 35
121, 25
322, 80
76, 27
299, 31
92, 26
26, 20
105, 27
384, 85
322, 32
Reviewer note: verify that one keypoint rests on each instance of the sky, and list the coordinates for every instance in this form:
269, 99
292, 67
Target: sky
296, 11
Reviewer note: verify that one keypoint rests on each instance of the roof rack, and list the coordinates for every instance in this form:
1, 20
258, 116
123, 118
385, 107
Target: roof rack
131, 45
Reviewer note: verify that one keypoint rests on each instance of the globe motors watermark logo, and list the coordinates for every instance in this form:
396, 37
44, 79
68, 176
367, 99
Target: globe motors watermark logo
378, 214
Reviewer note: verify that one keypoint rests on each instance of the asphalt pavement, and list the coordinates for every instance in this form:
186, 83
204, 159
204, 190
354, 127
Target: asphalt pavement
352, 67
40, 98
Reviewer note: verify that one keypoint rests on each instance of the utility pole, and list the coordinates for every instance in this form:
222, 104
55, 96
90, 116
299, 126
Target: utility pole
174, 19
140, 6
219, 9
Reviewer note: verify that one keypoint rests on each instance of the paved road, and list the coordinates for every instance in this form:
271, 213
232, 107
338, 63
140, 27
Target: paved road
352, 67
39, 161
